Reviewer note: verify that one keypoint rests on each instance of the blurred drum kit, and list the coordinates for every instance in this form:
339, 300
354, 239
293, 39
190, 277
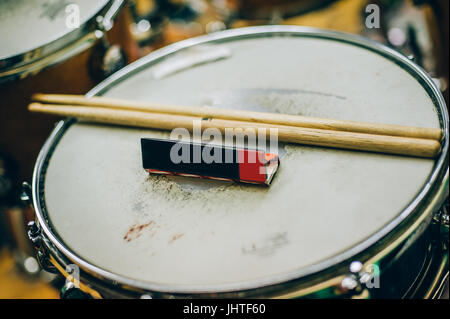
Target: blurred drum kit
51, 223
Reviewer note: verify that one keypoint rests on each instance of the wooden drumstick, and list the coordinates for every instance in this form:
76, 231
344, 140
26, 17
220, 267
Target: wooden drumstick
419, 147
247, 116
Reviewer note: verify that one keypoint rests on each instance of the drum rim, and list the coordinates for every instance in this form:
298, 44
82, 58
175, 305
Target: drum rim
57, 43
430, 189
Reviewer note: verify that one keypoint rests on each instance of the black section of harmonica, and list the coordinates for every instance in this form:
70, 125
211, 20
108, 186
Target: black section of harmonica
188, 158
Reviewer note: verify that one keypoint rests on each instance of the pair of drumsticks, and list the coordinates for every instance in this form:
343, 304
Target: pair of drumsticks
372, 137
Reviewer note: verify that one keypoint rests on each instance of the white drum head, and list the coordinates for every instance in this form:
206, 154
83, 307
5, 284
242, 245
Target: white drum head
185, 233
27, 25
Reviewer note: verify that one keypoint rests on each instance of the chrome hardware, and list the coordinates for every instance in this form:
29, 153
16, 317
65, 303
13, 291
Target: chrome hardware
106, 59
44, 262
442, 219
356, 283
105, 22
349, 283
25, 196
34, 234
356, 267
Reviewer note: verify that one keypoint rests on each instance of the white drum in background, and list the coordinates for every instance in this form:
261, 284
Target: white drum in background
326, 208
40, 33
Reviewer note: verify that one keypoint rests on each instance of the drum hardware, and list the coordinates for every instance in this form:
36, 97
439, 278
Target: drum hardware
71, 288
37, 66
106, 59
12, 219
105, 22
25, 196
442, 220
34, 234
355, 283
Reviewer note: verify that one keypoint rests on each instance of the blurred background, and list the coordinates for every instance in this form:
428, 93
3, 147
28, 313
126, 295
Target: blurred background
419, 29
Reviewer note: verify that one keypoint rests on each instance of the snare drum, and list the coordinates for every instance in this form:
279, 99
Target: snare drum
333, 223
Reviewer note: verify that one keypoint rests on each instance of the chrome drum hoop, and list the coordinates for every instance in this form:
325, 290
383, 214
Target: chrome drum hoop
323, 275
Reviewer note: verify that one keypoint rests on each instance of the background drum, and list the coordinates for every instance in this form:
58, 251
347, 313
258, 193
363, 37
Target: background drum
328, 223
42, 53
25, 64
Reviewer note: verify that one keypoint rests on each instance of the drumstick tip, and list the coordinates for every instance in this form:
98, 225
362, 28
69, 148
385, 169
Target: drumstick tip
37, 96
34, 106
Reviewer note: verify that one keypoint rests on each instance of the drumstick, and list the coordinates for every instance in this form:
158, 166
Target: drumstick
247, 116
337, 139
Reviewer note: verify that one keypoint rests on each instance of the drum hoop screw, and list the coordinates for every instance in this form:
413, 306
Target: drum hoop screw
353, 284
34, 234
25, 196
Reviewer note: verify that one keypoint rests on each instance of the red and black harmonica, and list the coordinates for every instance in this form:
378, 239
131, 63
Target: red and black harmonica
202, 160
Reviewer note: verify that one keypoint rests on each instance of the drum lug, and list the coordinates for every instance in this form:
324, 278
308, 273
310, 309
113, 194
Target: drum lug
411, 57
25, 196
355, 283
34, 234
105, 59
44, 263
105, 22
442, 219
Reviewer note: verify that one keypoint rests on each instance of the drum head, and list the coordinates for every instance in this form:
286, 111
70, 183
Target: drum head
185, 234
18, 19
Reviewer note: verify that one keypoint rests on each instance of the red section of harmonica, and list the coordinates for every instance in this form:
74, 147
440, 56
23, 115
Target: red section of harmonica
252, 166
